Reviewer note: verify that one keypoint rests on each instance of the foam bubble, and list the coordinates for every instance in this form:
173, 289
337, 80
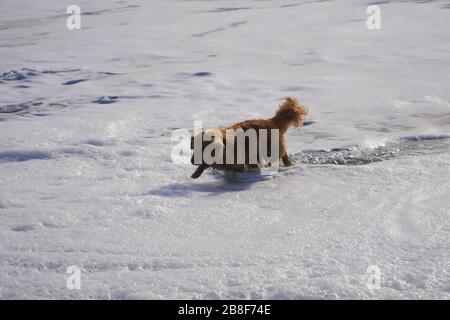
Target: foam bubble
372, 143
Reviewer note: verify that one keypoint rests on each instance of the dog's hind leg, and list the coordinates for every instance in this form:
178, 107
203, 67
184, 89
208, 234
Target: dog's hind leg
197, 173
287, 162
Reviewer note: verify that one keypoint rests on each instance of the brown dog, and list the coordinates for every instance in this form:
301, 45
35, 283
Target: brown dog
289, 113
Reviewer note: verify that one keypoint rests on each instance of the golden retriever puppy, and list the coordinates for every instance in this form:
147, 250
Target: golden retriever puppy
216, 141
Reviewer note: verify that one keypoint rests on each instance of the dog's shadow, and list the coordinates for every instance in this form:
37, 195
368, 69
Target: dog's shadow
220, 186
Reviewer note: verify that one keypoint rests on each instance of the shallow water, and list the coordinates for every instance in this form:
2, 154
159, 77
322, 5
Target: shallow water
351, 156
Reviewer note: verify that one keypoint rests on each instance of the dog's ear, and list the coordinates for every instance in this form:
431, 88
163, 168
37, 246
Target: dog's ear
290, 114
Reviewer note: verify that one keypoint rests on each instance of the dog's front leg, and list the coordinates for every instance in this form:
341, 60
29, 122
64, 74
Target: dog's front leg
283, 153
197, 173
287, 162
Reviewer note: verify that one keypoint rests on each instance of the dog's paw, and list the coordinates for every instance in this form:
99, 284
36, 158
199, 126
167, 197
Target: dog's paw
199, 171
286, 161
195, 175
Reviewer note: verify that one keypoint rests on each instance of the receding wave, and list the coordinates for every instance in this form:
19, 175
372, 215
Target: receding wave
403, 147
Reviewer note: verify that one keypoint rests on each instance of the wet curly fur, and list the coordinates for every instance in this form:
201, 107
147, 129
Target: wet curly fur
289, 113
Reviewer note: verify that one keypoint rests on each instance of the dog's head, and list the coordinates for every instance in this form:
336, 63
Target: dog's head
292, 111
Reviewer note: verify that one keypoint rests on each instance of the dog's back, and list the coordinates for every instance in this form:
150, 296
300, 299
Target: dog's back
255, 124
